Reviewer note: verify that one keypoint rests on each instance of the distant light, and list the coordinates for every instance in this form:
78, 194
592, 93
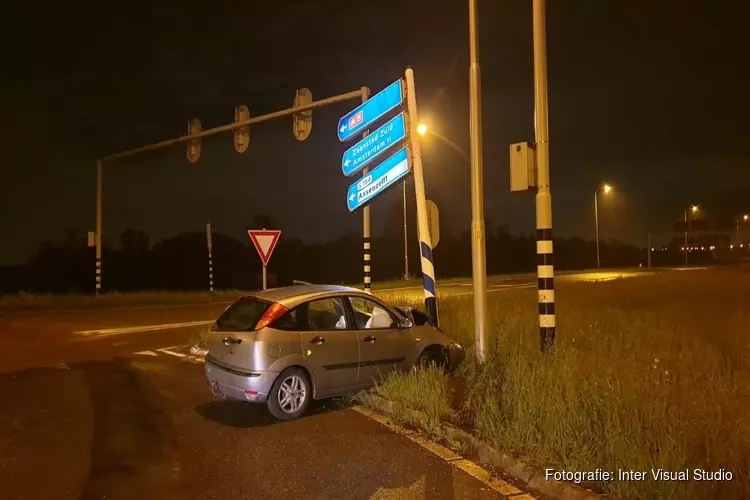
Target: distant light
744, 217
694, 208
607, 188
421, 129
653, 249
682, 248
703, 248
731, 247
712, 247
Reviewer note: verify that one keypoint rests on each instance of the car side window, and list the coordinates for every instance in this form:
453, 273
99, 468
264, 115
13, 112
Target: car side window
371, 315
326, 315
290, 321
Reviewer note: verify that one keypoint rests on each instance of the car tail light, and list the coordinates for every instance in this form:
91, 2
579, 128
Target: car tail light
272, 314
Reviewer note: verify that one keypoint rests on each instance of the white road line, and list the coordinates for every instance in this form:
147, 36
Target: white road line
146, 353
143, 328
449, 456
172, 353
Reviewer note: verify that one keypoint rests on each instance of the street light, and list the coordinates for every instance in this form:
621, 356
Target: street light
423, 130
692, 209
606, 188
740, 219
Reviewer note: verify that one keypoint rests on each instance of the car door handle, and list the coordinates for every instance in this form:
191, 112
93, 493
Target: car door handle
317, 340
231, 340
370, 339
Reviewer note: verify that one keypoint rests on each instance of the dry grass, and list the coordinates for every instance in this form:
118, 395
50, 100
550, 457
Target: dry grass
650, 372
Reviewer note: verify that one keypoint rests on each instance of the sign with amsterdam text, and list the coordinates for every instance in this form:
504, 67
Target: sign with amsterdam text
373, 146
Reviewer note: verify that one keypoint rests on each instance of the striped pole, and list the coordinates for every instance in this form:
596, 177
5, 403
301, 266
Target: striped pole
423, 233
98, 235
209, 244
545, 266
366, 219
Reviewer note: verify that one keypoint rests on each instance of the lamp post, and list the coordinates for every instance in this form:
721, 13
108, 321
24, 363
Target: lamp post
423, 130
606, 188
739, 220
692, 210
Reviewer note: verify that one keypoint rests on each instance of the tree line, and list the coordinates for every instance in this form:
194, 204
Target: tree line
181, 262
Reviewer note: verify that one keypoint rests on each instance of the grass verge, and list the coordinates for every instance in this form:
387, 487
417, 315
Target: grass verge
649, 373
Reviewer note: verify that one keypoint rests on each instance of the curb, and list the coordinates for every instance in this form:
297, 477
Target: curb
529, 477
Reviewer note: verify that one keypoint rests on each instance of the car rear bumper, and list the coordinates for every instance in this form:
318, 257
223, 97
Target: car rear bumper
228, 383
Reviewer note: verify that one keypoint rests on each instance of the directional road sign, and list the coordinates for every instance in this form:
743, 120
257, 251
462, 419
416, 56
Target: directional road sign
373, 146
264, 242
370, 111
378, 180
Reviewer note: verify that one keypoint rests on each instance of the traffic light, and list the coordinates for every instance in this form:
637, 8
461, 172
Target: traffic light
194, 145
242, 134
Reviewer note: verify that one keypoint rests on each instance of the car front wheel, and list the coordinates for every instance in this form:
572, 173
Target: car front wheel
290, 394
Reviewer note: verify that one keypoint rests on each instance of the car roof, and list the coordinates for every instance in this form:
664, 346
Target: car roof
291, 296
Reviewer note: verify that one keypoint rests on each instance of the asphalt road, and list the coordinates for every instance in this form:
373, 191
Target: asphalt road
105, 404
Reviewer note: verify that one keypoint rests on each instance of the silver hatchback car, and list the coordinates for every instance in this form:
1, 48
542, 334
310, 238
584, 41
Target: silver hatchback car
287, 346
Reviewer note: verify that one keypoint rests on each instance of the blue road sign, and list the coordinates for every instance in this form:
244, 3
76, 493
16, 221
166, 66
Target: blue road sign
371, 147
370, 111
384, 175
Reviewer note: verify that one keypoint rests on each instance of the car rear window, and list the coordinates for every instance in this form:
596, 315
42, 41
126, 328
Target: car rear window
242, 316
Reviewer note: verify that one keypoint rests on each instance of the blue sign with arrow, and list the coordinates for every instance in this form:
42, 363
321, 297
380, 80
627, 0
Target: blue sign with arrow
383, 176
370, 111
371, 147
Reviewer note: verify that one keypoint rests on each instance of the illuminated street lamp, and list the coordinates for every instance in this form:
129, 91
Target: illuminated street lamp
423, 130
605, 188
740, 219
692, 210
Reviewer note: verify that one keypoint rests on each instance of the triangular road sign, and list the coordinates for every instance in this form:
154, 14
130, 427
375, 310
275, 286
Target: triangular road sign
264, 242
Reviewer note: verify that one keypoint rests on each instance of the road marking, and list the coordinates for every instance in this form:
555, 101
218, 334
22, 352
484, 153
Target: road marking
146, 353
172, 353
143, 328
449, 456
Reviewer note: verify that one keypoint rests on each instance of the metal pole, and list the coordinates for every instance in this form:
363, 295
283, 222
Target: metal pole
544, 249
406, 241
365, 92
649, 250
235, 125
596, 218
265, 277
686, 231
478, 249
209, 244
99, 196
738, 232
423, 227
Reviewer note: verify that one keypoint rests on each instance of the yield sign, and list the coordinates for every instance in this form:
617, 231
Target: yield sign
264, 242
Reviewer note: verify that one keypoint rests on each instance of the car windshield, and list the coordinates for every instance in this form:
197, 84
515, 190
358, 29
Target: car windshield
241, 316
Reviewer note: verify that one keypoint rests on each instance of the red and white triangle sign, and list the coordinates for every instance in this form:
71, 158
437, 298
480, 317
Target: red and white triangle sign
265, 242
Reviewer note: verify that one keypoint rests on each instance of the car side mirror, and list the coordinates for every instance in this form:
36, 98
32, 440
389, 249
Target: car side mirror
404, 324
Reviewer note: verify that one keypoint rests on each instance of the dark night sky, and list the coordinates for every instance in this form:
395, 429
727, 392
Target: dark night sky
651, 96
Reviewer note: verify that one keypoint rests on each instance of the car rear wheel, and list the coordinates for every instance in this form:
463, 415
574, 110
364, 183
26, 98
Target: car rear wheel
290, 394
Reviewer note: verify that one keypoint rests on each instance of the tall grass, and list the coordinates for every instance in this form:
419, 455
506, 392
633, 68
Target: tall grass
648, 373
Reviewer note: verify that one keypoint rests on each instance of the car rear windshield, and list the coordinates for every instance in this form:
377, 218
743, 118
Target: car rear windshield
241, 316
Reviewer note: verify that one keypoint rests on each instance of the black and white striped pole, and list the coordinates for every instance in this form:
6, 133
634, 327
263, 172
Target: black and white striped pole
425, 238
209, 244
544, 248
366, 220
98, 235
